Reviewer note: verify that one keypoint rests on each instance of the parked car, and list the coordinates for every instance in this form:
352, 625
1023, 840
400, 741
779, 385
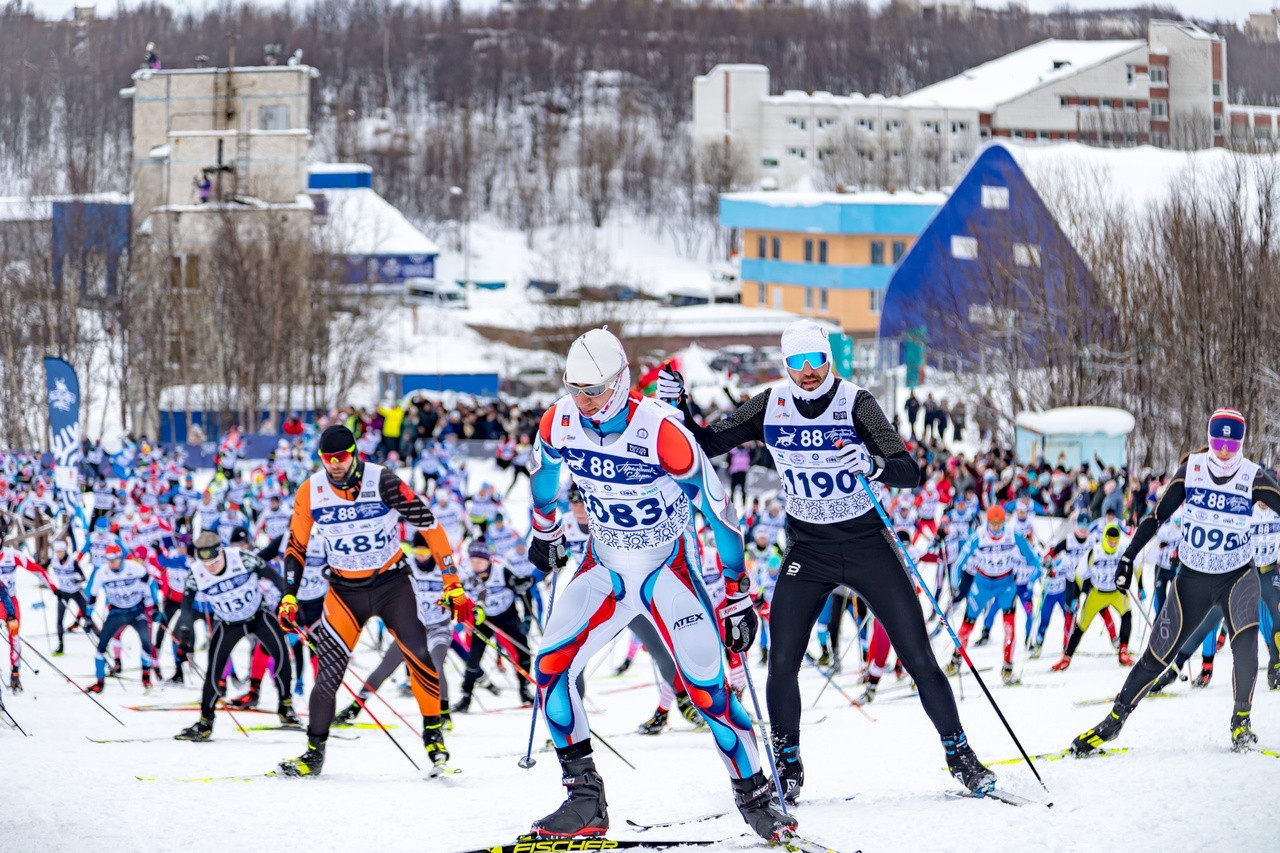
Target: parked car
444, 293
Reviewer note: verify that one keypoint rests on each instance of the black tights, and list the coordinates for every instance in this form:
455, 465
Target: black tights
870, 565
1193, 595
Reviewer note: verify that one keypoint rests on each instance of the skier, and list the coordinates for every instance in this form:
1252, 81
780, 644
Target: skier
1266, 535
835, 535
229, 579
1098, 567
631, 456
1216, 487
126, 585
1060, 588
995, 554
68, 586
354, 506
495, 601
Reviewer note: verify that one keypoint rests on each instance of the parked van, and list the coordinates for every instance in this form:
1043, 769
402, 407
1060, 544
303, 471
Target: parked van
445, 293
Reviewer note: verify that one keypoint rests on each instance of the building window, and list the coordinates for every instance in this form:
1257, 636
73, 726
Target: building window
1130, 105
866, 156
1044, 134
822, 251
797, 153
1158, 108
826, 121
899, 249
1017, 134
867, 124
808, 251
760, 247
959, 127
995, 197
273, 118
1261, 131
777, 298
984, 133
931, 127
762, 293
1217, 124
1129, 72
1160, 139
808, 299
877, 252
1062, 102
1217, 88
1157, 75
777, 248
895, 155
893, 125
769, 162
964, 248
1026, 255
796, 122
822, 300
877, 301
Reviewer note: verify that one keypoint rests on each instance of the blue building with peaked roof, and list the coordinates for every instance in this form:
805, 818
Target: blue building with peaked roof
992, 265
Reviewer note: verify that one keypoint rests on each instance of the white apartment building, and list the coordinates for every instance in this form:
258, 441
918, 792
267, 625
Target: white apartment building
1167, 90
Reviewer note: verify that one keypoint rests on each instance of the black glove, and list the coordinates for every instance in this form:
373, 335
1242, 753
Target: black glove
520, 584
740, 622
549, 555
1124, 573
183, 635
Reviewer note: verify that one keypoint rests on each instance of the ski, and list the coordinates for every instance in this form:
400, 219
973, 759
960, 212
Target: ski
569, 845
799, 844
1110, 700
195, 706
994, 794
166, 738
1058, 756
268, 775
643, 827
437, 770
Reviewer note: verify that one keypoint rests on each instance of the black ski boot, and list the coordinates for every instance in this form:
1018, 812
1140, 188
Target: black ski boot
585, 812
310, 763
433, 740
176, 678
463, 705
965, 766
758, 804
1166, 678
786, 753
1242, 737
288, 717
690, 711
59, 652
347, 715
1106, 730
250, 699
198, 732
15, 681
1273, 676
985, 638
655, 724
1205, 676
623, 667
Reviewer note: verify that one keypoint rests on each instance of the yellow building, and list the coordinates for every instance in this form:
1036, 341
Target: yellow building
827, 255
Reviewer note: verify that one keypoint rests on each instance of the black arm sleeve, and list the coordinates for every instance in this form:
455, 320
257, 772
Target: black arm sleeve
745, 424
189, 590
293, 569
397, 494
1266, 489
900, 470
1170, 499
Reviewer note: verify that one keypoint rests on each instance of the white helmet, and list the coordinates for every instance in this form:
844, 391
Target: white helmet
597, 362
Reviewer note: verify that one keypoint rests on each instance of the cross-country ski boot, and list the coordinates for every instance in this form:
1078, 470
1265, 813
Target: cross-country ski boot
1242, 737
953, 665
1166, 678
433, 740
198, 732
655, 724
690, 711
288, 716
15, 681
758, 805
310, 763
786, 751
1273, 676
985, 638
585, 812
965, 766
1106, 730
1206, 674
347, 715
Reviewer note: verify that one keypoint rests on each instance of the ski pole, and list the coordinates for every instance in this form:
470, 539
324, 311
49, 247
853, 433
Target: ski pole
875, 502
832, 681
528, 760
364, 683
12, 720
768, 746
306, 635
226, 706
73, 684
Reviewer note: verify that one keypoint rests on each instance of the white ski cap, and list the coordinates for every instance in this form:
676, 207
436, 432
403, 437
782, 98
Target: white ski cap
596, 357
805, 336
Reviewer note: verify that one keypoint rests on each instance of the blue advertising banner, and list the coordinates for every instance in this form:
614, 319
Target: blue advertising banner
64, 423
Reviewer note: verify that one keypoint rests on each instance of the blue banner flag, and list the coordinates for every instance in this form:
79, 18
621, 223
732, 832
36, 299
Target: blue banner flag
64, 423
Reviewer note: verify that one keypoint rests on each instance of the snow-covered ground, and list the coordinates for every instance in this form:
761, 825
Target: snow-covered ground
1179, 788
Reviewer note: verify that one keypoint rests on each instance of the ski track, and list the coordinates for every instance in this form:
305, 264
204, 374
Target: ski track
1180, 787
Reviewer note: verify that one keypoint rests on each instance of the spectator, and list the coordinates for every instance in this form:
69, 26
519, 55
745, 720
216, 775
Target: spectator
912, 408
392, 422
293, 426
957, 421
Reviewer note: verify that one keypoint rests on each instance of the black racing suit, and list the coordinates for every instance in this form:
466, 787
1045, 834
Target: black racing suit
1194, 593
859, 553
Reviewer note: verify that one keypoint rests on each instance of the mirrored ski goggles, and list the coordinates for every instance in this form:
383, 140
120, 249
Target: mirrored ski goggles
208, 554
800, 359
421, 554
339, 456
1230, 445
590, 390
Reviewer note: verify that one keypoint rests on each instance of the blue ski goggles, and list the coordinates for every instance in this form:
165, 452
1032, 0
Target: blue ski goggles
800, 359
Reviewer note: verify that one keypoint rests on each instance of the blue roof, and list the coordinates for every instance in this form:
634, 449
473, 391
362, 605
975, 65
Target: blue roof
1025, 267
829, 213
